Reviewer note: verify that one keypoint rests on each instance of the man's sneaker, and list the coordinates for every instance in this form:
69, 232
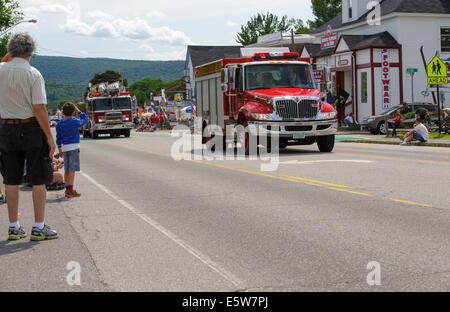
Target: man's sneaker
72, 194
40, 235
16, 234
405, 144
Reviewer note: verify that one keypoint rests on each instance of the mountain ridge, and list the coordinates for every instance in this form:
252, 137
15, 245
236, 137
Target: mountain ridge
66, 76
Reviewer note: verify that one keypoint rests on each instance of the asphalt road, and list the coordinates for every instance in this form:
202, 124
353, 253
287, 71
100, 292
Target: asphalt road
149, 222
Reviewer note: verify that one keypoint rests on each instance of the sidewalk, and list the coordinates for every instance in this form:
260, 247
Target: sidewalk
362, 137
42, 266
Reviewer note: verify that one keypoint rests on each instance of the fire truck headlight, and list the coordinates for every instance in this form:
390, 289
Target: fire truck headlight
330, 115
262, 116
101, 119
125, 118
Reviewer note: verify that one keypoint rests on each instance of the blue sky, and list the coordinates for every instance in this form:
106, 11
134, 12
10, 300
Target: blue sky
143, 30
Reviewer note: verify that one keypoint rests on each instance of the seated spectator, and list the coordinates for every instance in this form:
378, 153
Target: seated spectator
419, 133
58, 179
348, 120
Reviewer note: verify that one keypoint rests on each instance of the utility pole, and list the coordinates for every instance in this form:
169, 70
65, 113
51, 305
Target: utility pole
292, 40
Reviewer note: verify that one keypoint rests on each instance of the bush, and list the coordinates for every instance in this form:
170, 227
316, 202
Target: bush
410, 115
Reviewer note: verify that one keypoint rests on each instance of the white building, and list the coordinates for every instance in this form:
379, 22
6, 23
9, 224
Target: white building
370, 59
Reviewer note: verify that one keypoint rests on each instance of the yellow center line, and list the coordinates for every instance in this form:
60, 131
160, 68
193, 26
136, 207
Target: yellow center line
314, 181
331, 186
409, 202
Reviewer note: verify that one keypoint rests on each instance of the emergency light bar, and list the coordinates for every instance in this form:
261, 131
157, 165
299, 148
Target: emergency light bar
125, 93
272, 55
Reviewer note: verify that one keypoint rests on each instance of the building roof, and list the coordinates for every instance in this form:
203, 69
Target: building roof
394, 6
206, 54
315, 50
381, 40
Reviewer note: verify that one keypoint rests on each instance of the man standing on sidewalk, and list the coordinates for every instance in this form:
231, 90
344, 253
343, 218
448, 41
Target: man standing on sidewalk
25, 135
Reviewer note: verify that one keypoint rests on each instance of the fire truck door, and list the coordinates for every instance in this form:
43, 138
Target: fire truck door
236, 91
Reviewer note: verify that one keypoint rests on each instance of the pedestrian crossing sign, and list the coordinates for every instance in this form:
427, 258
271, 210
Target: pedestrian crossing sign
437, 72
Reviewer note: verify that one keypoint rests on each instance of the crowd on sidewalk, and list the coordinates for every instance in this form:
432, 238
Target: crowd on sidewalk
148, 123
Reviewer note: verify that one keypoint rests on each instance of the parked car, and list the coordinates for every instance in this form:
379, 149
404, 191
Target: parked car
376, 124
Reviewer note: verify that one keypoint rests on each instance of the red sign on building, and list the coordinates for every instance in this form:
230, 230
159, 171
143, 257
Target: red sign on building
386, 79
319, 75
330, 39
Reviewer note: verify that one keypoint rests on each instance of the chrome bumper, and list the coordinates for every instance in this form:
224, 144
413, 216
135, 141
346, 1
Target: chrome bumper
294, 130
122, 126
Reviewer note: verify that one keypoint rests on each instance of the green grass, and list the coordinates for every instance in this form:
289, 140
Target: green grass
432, 135
436, 135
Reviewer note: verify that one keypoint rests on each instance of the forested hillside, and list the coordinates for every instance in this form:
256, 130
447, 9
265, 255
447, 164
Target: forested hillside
67, 78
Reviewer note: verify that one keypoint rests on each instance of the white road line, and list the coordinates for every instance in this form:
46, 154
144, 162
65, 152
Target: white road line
310, 162
196, 253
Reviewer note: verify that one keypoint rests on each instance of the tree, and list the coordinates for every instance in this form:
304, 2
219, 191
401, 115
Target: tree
109, 76
142, 88
9, 16
324, 11
269, 23
299, 26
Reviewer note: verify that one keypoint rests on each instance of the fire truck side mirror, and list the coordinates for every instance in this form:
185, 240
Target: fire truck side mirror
225, 78
224, 87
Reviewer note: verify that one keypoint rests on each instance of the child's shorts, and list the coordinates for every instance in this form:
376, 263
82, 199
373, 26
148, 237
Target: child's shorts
72, 160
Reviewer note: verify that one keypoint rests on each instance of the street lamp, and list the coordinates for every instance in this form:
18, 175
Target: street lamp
34, 21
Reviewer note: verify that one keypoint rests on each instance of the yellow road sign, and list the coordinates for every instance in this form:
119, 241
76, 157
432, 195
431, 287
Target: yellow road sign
437, 72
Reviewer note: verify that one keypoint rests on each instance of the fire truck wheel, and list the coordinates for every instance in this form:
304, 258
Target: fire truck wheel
95, 135
86, 134
127, 133
326, 143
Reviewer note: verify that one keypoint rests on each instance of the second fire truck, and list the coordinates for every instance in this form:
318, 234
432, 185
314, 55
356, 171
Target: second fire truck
108, 107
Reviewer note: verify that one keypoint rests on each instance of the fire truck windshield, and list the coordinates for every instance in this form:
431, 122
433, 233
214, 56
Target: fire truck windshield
270, 76
121, 103
102, 105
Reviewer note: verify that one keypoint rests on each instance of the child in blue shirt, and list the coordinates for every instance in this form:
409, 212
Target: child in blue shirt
68, 141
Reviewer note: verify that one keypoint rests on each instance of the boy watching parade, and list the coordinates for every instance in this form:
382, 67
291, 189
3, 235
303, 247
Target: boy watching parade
68, 141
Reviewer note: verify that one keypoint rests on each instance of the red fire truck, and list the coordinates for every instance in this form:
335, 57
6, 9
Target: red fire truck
273, 91
109, 110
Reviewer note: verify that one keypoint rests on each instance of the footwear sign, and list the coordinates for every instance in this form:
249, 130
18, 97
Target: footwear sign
437, 72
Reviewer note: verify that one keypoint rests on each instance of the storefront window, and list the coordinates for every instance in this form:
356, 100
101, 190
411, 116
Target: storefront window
445, 39
363, 87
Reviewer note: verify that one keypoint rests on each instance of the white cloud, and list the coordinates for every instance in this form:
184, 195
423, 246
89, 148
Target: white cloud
231, 24
107, 26
99, 15
156, 14
135, 29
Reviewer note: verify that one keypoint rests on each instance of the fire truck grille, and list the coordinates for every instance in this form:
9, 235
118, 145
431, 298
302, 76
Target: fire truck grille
290, 109
113, 117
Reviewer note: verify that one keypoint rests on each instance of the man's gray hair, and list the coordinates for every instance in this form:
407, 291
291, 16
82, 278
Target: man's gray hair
21, 44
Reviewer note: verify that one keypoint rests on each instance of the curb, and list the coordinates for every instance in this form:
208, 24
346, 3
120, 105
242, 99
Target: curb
396, 143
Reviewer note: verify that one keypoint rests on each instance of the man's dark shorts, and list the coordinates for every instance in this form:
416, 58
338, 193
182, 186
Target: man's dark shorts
20, 142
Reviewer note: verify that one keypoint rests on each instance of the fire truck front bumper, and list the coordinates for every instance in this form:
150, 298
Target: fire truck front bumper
294, 130
106, 127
